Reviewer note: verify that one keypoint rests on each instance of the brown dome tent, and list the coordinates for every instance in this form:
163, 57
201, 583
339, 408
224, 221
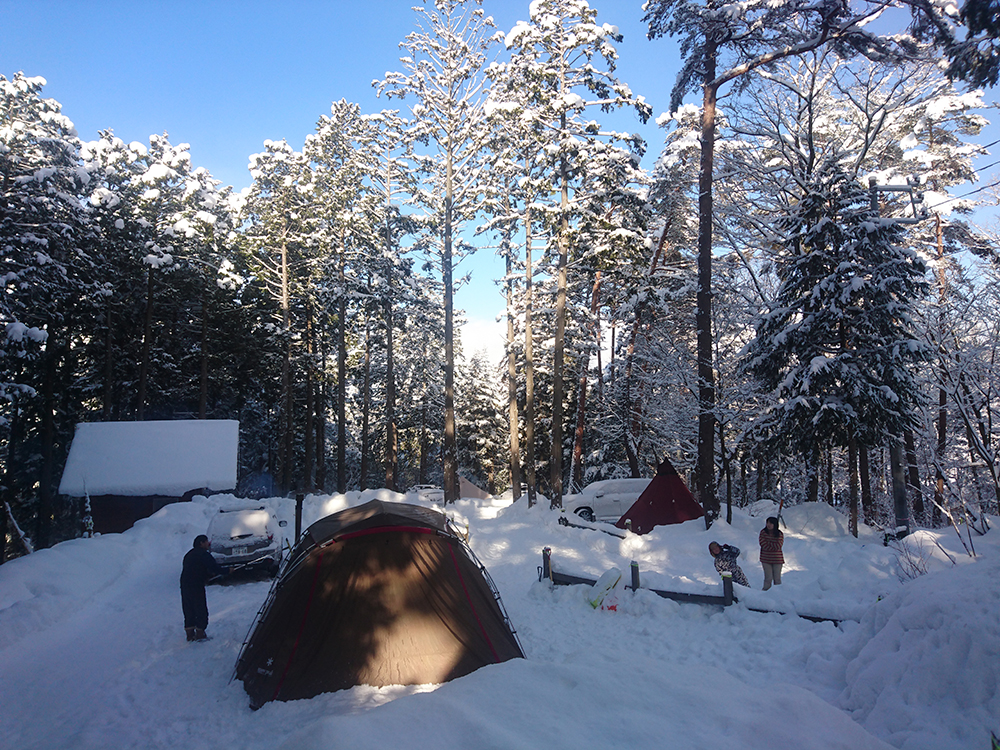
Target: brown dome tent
379, 594
665, 500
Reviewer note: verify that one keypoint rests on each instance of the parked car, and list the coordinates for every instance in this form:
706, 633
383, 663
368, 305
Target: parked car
248, 537
428, 493
606, 500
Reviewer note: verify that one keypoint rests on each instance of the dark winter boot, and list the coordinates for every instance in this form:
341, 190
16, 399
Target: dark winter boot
199, 635
190, 633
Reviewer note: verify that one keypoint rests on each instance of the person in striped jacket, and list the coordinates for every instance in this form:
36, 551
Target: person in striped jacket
771, 558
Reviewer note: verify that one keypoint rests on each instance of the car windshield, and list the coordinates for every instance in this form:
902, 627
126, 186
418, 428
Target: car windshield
238, 524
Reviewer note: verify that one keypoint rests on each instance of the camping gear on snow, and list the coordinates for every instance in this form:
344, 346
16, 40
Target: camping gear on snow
665, 501
469, 489
379, 594
603, 586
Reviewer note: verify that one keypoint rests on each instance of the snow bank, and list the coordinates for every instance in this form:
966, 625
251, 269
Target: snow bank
927, 654
92, 645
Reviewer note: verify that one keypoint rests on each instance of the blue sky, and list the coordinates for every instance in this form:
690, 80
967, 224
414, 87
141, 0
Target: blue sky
224, 76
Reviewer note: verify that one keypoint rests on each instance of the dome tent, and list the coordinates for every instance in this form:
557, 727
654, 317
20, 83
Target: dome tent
379, 594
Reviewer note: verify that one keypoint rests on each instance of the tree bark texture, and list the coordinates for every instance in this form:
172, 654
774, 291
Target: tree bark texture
147, 335
703, 315
529, 366
512, 412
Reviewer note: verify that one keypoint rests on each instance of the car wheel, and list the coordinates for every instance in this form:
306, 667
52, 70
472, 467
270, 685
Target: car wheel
586, 514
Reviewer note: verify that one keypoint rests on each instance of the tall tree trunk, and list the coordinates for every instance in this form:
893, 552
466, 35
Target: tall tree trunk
512, 414
867, 500
8, 488
852, 461
342, 375
633, 405
147, 335
899, 499
46, 482
529, 365
913, 477
727, 469
556, 458
391, 436
829, 476
366, 396
812, 474
109, 359
310, 428
613, 364
391, 432
942, 421
322, 396
450, 457
288, 423
203, 354
600, 356
424, 442
743, 479
942, 445
703, 316
576, 466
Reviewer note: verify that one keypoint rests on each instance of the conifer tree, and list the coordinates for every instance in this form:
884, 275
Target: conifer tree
566, 61
838, 347
47, 240
444, 74
722, 43
278, 209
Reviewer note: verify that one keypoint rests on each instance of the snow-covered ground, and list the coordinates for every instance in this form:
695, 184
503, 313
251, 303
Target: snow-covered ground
93, 655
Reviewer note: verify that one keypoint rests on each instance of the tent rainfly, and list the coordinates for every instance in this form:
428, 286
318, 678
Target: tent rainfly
468, 488
665, 500
130, 470
379, 594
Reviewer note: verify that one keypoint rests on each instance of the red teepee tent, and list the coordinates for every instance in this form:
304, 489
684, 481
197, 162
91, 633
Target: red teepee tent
666, 500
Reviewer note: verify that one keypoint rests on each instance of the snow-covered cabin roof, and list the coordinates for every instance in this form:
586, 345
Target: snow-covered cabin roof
137, 459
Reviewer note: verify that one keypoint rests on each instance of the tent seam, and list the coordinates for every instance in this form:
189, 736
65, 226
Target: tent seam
468, 598
302, 627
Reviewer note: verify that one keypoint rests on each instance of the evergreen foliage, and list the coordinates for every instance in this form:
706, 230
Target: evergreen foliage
316, 307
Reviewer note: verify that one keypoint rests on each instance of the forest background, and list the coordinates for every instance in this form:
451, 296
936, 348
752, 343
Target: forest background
764, 318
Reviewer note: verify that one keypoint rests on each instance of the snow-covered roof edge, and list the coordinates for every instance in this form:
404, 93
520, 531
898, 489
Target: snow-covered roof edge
152, 458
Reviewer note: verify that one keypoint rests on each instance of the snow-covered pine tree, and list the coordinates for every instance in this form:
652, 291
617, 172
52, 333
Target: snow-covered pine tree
898, 124
482, 430
517, 180
566, 61
933, 138
47, 239
444, 75
278, 211
389, 182
722, 43
837, 347
341, 156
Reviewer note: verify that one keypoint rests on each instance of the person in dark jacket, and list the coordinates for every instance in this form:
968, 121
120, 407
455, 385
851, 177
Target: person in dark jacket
198, 569
771, 559
725, 560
